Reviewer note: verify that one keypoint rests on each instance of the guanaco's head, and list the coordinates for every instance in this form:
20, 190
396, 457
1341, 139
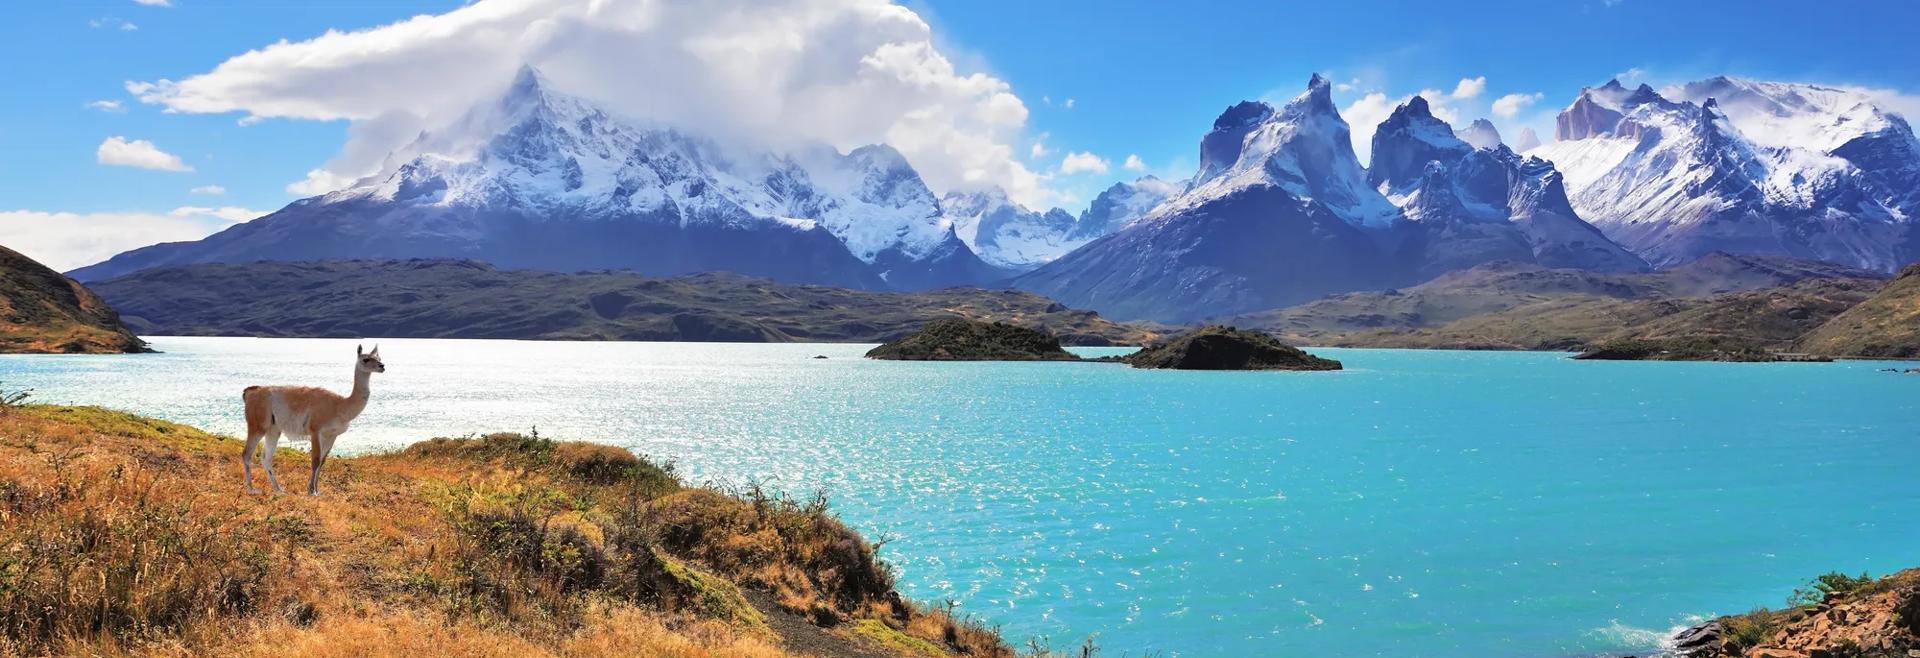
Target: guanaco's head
369, 361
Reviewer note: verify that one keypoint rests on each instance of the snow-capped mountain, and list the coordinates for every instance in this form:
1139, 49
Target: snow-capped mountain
1745, 167
1481, 204
1006, 234
1527, 141
1281, 212
1121, 204
540, 179
1481, 134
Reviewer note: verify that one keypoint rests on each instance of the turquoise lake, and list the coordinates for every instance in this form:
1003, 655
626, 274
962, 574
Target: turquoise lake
1420, 503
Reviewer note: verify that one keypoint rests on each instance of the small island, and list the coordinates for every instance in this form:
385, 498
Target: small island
971, 340
1227, 348
1704, 348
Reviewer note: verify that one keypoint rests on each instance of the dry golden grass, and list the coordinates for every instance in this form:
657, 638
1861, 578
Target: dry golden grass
122, 535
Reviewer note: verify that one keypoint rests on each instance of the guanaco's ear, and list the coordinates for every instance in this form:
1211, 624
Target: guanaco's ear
376, 350
358, 350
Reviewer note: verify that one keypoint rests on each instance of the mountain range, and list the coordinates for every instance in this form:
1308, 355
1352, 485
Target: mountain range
1279, 211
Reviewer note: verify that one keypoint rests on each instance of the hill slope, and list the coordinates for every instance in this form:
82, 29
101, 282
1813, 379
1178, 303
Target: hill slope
467, 299
44, 311
1540, 298
1887, 324
504, 545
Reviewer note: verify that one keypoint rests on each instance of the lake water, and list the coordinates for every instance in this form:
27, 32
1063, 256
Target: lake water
1423, 503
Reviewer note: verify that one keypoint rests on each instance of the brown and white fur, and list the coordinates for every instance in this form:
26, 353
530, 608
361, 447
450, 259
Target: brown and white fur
318, 413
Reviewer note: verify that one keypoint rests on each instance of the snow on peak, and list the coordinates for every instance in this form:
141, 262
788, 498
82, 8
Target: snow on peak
1303, 148
1406, 142
1122, 204
1006, 234
1481, 134
1727, 163
1527, 141
557, 157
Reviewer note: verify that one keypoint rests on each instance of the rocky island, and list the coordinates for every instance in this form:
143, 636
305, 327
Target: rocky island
1227, 348
972, 340
44, 312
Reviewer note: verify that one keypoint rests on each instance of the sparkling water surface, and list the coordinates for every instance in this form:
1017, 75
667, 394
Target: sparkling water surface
1420, 503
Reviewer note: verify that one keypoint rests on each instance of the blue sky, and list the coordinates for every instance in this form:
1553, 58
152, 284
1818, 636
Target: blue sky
1110, 79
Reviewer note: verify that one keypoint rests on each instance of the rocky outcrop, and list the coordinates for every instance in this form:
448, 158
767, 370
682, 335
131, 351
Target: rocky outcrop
1227, 348
1587, 117
1839, 617
967, 340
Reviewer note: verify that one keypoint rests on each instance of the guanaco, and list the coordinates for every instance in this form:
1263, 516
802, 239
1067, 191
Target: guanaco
320, 414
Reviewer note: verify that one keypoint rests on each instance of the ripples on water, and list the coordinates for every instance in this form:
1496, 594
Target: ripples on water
1419, 503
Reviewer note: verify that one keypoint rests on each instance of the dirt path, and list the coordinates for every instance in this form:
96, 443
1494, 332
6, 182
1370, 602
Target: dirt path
799, 635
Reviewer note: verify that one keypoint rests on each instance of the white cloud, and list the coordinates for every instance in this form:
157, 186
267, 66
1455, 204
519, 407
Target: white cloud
235, 214
1510, 105
1083, 161
318, 182
107, 106
1068, 104
1629, 75
121, 152
155, 3
1039, 148
1363, 117
1135, 163
66, 240
209, 189
847, 72
112, 23
1469, 87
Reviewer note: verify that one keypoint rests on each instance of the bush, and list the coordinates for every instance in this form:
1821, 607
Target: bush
1749, 630
13, 398
1829, 585
98, 554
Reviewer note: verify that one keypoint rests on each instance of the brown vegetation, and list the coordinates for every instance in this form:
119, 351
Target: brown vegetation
42, 311
1835, 616
121, 535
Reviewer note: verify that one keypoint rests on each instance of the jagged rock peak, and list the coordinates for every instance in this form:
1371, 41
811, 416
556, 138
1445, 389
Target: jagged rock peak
1319, 94
1243, 114
1416, 106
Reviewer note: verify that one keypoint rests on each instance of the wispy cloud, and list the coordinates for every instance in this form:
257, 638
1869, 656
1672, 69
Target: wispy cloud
107, 106
1511, 105
1469, 88
112, 23
154, 3
212, 190
66, 240
122, 152
1083, 162
1134, 163
781, 72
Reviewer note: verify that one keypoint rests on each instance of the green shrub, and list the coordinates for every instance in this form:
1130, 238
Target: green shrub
1830, 584
1749, 630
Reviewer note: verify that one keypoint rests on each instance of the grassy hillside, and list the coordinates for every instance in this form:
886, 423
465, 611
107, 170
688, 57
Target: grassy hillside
42, 311
1483, 296
125, 535
1885, 325
1771, 319
464, 299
